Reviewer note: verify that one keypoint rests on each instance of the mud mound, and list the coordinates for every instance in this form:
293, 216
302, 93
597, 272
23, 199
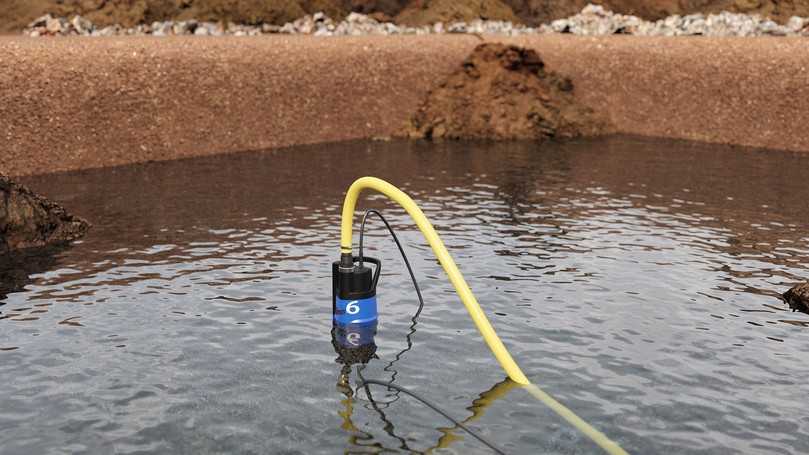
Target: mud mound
426, 12
28, 220
503, 92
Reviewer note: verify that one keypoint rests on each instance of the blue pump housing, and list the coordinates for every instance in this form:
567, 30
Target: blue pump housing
356, 311
354, 291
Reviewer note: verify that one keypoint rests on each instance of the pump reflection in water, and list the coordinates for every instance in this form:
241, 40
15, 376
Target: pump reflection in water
354, 343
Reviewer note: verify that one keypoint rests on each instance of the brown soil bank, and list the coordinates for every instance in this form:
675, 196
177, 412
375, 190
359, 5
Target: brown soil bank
28, 220
16, 14
503, 92
75, 103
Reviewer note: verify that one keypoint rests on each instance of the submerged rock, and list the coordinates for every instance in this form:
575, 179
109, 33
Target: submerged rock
798, 297
503, 92
29, 220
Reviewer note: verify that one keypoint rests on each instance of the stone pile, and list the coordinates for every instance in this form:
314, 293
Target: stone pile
593, 20
317, 24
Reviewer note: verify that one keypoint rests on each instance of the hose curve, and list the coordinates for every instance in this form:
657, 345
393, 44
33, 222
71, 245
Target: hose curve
461, 288
465, 293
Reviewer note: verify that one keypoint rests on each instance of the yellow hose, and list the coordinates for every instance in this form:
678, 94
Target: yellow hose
462, 289
444, 258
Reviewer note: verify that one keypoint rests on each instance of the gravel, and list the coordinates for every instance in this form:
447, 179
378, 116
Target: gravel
593, 20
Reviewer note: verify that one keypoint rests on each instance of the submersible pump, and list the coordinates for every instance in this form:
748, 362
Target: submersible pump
354, 307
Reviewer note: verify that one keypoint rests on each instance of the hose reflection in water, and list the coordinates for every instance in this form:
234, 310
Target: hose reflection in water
478, 408
355, 345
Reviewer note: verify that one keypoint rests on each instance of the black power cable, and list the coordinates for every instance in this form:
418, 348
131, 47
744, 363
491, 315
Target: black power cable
390, 385
414, 319
401, 250
435, 408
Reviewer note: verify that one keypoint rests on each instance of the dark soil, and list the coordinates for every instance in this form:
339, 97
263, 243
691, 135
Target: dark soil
426, 12
28, 220
16, 14
503, 92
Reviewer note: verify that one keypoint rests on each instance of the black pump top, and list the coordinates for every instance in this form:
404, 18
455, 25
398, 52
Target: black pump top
358, 282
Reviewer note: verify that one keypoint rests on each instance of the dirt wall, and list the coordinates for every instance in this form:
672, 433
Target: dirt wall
73, 103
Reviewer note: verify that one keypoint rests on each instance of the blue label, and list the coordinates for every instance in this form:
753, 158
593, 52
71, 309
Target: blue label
359, 311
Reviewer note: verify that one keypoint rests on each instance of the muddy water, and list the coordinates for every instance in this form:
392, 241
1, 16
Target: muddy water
633, 279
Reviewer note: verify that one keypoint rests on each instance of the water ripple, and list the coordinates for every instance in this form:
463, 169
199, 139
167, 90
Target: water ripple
636, 287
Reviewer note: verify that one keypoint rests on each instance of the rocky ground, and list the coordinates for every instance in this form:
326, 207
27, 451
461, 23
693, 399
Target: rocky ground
593, 20
15, 14
503, 92
28, 220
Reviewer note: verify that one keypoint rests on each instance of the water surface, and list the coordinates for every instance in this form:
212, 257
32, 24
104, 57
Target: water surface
633, 279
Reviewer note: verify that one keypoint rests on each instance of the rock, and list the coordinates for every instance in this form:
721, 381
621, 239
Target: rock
112, 30
503, 92
184, 27
162, 28
41, 21
798, 297
270, 28
28, 220
53, 26
81, 25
